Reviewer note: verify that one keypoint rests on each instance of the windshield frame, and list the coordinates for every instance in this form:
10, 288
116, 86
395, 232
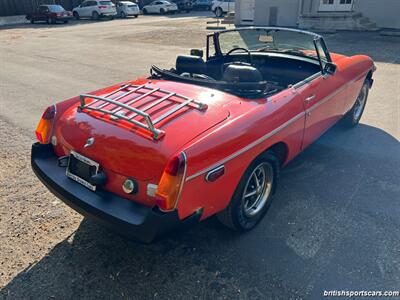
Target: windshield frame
213, 38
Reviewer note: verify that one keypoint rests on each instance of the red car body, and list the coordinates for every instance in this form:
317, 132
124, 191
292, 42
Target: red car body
220, 138
50, 13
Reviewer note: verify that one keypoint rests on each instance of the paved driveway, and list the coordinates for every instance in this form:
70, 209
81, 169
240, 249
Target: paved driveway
334, 223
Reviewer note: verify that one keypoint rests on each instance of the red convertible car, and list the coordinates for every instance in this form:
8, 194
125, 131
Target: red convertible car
207, 137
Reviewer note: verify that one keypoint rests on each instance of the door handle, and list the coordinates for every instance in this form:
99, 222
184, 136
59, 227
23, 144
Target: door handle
308, 99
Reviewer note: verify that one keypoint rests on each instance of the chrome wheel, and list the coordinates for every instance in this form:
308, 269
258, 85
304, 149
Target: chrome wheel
360, 103
257, 189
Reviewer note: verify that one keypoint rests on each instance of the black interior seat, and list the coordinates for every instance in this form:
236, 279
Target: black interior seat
242, 73
190, 64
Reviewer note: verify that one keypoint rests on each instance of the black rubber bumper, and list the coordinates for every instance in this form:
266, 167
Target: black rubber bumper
123, 216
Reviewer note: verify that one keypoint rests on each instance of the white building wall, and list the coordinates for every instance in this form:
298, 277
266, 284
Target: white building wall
286, 12
385, 13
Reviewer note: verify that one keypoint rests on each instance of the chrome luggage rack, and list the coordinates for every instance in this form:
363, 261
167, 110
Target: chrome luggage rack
116, 113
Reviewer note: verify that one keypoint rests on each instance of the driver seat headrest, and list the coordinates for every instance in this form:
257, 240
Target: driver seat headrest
190, 64
242, 73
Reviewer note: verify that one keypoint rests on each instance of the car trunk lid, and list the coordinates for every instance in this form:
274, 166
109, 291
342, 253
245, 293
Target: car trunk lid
125, 147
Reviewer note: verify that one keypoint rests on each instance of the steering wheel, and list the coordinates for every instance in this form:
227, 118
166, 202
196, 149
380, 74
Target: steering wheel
250, 61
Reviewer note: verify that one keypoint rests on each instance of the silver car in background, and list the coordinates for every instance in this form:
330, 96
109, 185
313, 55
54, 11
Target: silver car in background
160, 7
127, 8
95, 10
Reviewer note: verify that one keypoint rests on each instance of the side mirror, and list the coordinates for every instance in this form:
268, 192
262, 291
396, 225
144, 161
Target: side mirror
330, 68
197, 52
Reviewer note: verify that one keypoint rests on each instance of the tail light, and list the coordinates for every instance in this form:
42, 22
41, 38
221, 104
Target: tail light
171, 183
45, 127
102, 7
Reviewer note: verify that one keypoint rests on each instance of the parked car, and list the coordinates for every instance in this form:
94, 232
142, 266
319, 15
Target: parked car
127, 8
205, 138
50, 14
95, 9
183, 5
160, 7
202, 4
221, 7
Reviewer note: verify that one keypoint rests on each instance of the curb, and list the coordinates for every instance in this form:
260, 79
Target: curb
13, 20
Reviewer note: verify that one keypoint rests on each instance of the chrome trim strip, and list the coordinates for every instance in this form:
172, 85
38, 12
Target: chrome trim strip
283, 126
182, 181
326, 99
248, 147
307, 80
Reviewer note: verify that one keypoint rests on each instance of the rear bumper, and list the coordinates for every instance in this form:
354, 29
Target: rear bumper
185, 7
66, 18
125, 217
108, 14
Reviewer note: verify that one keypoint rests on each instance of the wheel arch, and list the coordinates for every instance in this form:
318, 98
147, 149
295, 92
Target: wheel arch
281, 151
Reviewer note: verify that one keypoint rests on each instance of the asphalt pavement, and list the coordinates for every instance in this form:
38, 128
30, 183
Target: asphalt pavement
334, 223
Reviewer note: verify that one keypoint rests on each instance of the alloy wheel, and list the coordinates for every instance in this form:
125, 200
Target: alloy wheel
257, 189
360, 103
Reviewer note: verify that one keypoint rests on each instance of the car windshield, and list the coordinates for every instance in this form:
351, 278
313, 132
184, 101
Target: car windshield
106, 3
56, 8
269, 40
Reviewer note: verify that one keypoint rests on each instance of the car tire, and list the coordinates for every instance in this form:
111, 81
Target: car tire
162, 11
66, 21
245, 211
95, 15
76, 15
123, 15
145, 11
136, 16
353, 116
32, 21
188, 11
219, 12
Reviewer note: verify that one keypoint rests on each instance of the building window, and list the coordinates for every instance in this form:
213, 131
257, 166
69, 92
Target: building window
336, 5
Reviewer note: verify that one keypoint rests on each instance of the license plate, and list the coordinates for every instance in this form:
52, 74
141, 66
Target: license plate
81, 169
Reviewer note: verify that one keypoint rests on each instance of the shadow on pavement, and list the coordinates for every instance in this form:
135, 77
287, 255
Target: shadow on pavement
333, 225
44, 25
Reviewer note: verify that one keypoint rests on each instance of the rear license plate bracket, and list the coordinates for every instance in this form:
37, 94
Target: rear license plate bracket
81, 168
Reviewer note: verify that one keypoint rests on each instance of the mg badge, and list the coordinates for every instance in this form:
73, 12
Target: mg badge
89, 142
